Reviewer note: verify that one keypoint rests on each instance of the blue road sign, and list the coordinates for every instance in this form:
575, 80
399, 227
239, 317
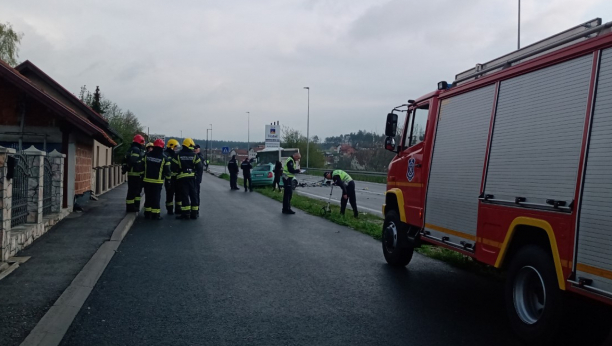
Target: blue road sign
225, 150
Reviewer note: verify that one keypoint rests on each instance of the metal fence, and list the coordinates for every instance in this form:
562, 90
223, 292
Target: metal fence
367, 173
47, 187
19, 201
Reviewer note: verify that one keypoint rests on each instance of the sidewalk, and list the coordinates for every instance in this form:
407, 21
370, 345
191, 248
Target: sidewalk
57, 257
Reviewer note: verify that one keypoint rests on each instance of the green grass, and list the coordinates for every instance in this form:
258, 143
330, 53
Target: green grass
372, 225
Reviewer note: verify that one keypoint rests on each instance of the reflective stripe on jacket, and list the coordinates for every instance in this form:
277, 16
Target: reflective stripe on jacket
186, 164
286, 172
343, 176
133, 160
157, 167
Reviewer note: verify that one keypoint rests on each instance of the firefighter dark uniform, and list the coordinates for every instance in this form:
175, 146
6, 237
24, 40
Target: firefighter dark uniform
173, 199
133, 165
246, 174
157, 169
199, 176
346, 183
187, 165
232, 167
289, 171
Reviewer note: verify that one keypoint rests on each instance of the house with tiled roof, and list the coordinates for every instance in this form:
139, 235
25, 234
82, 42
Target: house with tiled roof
36, 111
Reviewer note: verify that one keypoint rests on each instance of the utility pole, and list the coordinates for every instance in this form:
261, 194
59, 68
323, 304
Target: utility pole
248, 132
211, 148
308, 127
518, 45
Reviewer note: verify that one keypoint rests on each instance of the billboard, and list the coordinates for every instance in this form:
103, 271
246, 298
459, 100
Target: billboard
273, 136
154, 136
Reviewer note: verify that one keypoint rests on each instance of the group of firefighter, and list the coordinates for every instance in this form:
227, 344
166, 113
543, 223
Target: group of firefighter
150, 167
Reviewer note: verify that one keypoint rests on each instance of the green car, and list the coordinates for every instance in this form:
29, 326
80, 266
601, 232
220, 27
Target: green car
263, 175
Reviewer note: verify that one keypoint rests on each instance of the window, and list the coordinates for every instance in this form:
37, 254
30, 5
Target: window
419, 124
414, 128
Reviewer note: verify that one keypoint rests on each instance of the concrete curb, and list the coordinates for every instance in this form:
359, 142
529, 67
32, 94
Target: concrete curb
51, 329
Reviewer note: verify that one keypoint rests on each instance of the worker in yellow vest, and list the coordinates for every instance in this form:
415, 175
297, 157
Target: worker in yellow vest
347, 184
289, 172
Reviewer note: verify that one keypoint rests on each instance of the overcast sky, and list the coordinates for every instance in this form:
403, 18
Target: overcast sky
184, 64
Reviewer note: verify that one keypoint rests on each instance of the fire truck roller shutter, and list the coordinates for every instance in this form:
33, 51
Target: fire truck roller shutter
594, 259
456, 168
537, 135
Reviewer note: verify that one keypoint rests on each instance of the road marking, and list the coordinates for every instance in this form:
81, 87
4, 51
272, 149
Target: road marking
335, 201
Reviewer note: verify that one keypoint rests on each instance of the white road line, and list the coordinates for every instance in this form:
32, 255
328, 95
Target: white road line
336, 202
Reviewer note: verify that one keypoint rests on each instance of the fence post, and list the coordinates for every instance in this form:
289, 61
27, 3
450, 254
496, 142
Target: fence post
35, 160
57, 166
109, 177
6, 195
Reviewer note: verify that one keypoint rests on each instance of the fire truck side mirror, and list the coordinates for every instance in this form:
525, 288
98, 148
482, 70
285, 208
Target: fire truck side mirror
390, 144
391, 126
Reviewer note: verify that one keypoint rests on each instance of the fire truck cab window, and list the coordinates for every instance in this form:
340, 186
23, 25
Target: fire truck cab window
418, 124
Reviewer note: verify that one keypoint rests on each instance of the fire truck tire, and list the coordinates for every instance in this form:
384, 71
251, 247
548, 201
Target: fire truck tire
394, 255
534, 301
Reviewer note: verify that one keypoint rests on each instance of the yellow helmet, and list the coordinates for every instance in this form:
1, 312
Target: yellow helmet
189, 143
149, 145
172, 143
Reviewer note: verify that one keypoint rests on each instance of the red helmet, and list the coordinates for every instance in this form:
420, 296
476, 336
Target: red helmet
159, 143
139, 139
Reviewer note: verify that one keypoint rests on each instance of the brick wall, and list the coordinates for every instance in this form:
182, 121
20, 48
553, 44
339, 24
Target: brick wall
84, 155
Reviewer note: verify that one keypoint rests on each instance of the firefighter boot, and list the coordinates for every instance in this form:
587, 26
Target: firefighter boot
147, 214
156, 216
194, 214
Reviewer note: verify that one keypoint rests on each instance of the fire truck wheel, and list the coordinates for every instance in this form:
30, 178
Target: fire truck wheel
533, 299
395, 256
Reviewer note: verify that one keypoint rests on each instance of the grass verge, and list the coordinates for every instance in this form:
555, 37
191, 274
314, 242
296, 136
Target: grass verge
372, 225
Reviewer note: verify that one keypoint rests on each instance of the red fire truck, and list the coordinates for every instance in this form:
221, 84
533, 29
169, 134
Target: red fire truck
511, 164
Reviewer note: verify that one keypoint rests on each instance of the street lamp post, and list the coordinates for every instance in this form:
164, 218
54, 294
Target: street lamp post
307, 127
211, 152
518, 45
248, 132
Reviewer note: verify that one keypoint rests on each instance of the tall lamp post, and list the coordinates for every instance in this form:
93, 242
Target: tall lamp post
211, 152
207, 142
248, 132
518, 45
307, 127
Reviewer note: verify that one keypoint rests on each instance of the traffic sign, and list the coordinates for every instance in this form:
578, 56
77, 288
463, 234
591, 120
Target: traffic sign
225, 150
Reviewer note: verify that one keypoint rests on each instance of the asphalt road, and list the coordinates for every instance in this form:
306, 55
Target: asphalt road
370, 196
245, 274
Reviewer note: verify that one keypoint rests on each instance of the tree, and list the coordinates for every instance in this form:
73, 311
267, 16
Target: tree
9, 44
294, 139
125, 123
95, 105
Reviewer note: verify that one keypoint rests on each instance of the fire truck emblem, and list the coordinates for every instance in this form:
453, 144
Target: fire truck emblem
410, 173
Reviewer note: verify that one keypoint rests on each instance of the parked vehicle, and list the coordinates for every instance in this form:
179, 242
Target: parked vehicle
511, 164
263, 175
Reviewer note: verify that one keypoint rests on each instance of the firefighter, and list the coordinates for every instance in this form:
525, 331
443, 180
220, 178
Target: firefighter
199, 176
156, 170
149, 147
134, 167
232, 167
347, 184
246, 174
172, 192
289, 172
187, 165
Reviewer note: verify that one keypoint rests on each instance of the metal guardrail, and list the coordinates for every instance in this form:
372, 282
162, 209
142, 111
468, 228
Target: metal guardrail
369, 173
